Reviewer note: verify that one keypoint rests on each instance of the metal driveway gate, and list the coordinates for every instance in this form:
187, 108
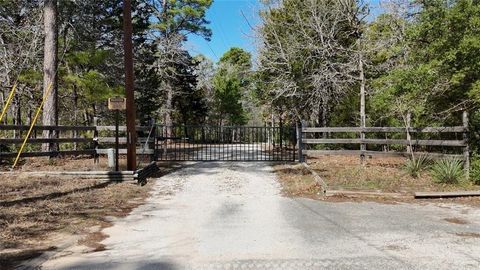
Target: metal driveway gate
224, 143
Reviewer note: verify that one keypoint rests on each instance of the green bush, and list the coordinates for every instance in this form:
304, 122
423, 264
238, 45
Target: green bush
448, 171
414, 166
475, 169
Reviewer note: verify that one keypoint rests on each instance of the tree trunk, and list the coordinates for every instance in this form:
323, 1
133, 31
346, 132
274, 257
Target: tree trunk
168, 109
50, 108
75, 114
363, 147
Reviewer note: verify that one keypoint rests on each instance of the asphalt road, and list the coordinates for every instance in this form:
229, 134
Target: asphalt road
233, 216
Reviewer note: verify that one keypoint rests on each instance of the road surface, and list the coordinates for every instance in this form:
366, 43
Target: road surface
223, 215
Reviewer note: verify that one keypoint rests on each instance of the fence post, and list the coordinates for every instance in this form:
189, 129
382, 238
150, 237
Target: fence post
293, 134
299, 141
466, 149
409, 136
363, 146
95, 141
154, 135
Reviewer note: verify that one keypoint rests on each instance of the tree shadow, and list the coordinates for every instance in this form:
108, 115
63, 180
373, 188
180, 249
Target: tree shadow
54, 195
11, 260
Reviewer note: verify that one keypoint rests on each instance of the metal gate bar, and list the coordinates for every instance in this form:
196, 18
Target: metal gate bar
225, 143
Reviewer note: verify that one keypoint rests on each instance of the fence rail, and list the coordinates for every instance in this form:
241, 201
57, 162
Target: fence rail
95, 144
310, 136
452, 143
384, 129
52, 128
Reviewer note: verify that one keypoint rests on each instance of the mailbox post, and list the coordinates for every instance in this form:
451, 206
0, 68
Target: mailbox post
117, 104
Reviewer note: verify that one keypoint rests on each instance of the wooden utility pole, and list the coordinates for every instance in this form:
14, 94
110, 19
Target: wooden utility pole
50, 108
129, 93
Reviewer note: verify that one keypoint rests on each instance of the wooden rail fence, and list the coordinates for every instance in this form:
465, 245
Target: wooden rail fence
91, 137
311, 136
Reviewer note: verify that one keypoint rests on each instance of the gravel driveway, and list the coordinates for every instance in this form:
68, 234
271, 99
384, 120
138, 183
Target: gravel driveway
232, 216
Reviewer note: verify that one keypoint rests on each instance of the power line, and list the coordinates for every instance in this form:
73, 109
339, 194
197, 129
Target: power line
223, 36
216, 56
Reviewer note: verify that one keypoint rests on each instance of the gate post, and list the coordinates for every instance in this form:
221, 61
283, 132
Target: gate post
154, 135
299, 141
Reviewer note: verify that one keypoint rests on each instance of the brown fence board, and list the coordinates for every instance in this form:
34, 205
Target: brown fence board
47, 140
452, 143
47, 154
58, 128
456, 129
123, 140
139, 151
375, 153
122, 128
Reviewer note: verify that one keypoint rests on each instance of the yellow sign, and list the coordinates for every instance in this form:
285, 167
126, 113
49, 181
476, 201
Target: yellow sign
117, 104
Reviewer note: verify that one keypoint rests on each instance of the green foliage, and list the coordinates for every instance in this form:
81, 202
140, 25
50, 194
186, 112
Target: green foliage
228, 95
237, 57
184, 16
475, 169
415, 166
191, 104
433, 65
231, 84
448, 171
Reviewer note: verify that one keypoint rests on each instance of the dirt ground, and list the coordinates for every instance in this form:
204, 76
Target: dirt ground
83, 163
378, 175
33, 210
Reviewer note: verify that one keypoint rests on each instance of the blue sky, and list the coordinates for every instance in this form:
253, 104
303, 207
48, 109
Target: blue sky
230, 28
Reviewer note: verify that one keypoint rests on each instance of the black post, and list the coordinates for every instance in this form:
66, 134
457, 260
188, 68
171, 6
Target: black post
117, 113
154, 135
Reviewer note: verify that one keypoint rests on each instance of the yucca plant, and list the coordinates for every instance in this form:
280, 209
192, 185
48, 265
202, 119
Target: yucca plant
448, 171
475, 169
415, 165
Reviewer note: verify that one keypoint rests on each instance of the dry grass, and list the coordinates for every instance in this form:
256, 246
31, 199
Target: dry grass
296, 180
85, 163
32, 210
379, 174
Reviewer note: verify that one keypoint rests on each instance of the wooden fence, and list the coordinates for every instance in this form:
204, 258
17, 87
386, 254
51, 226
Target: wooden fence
83, 140
66, 134
311, 136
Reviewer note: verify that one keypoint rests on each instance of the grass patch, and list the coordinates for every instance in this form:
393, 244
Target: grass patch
296, 180
32, 210
379, 174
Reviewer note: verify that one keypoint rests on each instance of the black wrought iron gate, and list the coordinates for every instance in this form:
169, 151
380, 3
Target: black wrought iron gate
225, 143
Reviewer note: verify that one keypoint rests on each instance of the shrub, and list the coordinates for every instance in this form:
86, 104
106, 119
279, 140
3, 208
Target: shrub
414, 166
475, 169
448, 171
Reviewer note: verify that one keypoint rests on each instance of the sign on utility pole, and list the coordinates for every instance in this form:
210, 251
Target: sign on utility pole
117, 104
130, 102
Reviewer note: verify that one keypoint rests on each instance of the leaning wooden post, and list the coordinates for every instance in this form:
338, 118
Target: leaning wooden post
466, 149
